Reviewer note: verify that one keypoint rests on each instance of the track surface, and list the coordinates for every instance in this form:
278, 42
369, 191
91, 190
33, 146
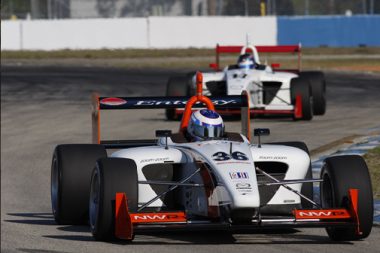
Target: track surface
42, 107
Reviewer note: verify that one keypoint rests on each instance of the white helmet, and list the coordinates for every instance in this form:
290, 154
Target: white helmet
246, 61
205, 124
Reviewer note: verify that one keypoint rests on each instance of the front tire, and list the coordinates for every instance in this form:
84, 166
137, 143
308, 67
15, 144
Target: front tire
71, 169
339, 174
301, 86
110, 175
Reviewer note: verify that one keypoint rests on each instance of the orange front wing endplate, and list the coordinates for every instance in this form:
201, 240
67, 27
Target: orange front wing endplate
334, 214
124, 220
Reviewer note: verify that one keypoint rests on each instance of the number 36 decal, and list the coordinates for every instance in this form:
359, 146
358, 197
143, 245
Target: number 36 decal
221, 156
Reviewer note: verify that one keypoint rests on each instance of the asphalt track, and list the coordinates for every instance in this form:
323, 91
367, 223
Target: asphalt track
42, 107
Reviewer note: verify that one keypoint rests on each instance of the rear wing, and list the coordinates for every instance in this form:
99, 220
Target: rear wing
261, 49
127, 103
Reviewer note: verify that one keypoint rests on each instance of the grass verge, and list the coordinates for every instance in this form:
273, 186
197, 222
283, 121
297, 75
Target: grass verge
373, 161
154, 53
360, 59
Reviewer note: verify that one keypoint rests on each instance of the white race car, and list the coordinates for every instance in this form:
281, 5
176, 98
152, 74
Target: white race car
225, 182
271, 91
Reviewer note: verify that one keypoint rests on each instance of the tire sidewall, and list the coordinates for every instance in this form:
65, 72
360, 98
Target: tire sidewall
55, 189
344, 173
71, 170
114, 175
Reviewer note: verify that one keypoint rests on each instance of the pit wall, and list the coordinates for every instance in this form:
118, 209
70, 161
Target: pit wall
185, 32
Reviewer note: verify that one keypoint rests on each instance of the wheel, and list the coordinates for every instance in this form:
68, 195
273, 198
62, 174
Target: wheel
110, 175
190, 76
318, 90
176, 86
307, 188
339, 174
301, 86
71, 169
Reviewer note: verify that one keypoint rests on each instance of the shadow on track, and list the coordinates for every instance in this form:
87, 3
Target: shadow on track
214, 238
256, 236
33, 218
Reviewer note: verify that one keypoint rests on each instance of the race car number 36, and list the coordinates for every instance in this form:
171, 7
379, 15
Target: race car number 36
221, 156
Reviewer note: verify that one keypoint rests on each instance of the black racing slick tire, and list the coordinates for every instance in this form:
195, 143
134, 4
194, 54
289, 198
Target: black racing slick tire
339, 174
307, 188
190, 77
110, 175
176, 86
318, 90
71, 169
301, 86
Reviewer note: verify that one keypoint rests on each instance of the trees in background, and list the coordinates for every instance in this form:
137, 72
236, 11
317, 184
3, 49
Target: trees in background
56, 9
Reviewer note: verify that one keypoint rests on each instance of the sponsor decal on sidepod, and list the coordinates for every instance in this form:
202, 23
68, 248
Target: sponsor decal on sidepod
243, 186
239, 175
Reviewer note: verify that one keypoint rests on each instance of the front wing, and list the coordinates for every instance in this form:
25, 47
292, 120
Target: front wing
127, 224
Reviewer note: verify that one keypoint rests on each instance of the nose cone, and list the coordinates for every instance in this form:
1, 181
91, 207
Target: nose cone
235, 170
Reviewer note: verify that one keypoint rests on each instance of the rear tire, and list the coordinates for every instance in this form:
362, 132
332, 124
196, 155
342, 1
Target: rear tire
339, 174
71, 169
110, 175
176, 86
318, 90
190, 84
301, 86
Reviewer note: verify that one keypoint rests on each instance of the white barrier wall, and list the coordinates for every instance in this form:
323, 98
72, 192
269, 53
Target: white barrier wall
183, 32
151, 32
11, 35
84, 34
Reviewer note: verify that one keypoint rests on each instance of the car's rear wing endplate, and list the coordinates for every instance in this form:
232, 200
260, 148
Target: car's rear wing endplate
261, 49
125, 103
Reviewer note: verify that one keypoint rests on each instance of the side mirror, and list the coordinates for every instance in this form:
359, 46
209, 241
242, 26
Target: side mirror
261, 132
164, 133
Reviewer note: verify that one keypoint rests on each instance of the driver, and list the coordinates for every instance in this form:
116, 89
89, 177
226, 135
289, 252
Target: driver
205, 125
246, 61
